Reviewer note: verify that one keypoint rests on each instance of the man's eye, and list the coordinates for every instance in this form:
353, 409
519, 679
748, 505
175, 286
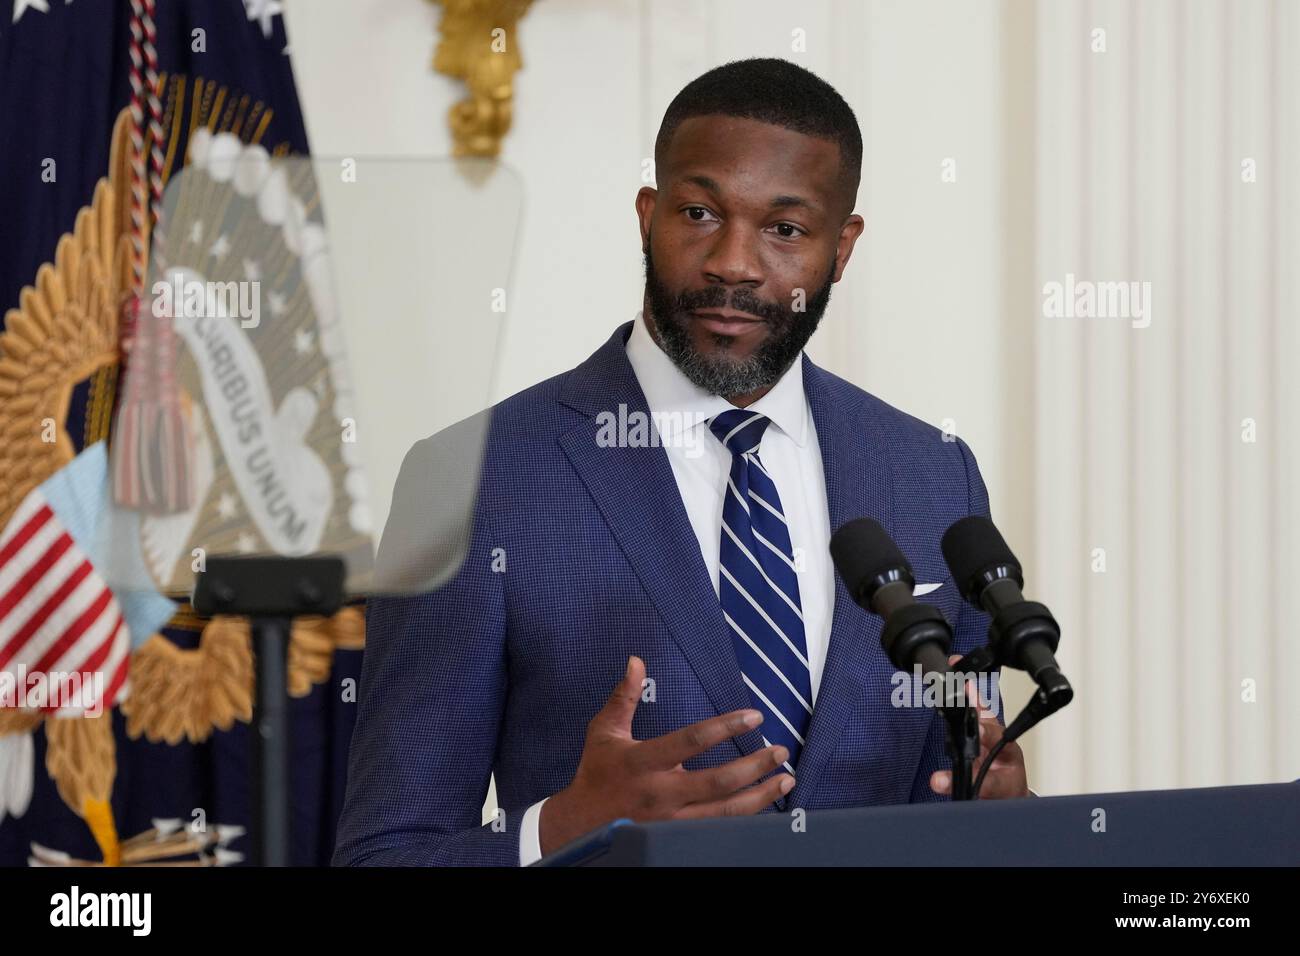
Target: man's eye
794, 231
691, 210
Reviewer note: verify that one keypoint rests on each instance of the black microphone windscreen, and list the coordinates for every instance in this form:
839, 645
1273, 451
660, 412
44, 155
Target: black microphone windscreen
862, 550
973, 546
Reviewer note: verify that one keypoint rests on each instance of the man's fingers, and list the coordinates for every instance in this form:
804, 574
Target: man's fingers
1008, 756
991, 732
715, 783
1002, 780
741, 803
972, 693
941, 781
663, 753
973, 699
617, 713
999, 782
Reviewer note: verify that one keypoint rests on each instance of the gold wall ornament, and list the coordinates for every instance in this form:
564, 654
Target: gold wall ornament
479, 46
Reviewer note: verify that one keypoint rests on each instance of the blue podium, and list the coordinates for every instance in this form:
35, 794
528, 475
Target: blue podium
1215, 826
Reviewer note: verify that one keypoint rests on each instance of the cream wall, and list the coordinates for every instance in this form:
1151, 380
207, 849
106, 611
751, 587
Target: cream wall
1170, 452
910, 320
940, 310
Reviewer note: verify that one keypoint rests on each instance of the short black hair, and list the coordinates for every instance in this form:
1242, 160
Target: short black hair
774, 91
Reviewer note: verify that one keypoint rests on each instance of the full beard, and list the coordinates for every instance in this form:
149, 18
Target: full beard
720, 373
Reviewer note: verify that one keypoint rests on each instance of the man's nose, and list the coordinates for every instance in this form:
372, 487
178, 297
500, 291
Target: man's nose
733, 258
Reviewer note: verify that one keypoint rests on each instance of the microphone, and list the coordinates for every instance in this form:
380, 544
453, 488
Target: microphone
1024, 633
880, 580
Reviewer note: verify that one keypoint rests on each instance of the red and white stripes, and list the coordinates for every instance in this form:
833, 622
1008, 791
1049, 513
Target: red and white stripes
58, 619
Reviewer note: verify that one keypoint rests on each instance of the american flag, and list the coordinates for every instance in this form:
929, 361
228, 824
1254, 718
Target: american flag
58, 618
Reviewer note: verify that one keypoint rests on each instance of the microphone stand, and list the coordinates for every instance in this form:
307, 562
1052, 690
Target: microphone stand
919, 635
962, 717
1044, 702
963, 747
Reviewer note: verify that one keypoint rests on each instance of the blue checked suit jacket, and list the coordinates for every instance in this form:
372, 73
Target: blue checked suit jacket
499, 672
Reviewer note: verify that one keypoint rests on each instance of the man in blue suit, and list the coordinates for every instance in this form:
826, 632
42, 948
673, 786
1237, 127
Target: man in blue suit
646, 622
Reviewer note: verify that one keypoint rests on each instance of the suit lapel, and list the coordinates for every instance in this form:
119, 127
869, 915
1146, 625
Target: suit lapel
652, 528
856, 676
661, 547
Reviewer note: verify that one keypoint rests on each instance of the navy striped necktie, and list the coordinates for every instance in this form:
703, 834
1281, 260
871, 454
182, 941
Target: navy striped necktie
759, 588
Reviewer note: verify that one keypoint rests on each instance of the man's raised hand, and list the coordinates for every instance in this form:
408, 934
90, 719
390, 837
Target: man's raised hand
619, 776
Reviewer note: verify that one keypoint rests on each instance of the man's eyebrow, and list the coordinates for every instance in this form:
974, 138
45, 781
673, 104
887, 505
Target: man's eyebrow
704, 182
778, 202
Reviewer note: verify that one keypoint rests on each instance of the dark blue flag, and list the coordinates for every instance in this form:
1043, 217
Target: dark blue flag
165, 775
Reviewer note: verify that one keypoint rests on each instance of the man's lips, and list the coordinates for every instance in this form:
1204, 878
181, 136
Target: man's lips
727, 322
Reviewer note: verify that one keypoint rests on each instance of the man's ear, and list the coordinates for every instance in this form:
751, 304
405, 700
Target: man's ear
849, 233
646, 197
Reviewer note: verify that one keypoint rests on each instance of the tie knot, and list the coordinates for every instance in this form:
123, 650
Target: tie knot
739, 429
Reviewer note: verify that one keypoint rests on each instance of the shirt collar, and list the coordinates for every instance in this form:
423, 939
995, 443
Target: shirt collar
673, 397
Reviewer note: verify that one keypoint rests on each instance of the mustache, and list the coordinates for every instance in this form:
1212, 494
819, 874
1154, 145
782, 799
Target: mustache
741, 300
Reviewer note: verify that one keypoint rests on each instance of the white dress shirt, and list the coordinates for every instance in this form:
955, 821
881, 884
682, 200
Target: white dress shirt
701, 464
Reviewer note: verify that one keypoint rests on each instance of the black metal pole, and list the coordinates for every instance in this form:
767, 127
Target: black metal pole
964, 724
963, 747
270, 737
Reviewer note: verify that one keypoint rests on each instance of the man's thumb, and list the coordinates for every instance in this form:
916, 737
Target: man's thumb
626, 695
